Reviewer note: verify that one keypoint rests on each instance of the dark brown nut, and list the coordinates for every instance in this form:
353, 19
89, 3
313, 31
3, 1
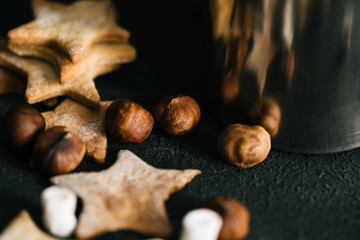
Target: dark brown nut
266, 112
176, 115
235, 216
126, 121
22, 124
57, 151
243, 145
50, 103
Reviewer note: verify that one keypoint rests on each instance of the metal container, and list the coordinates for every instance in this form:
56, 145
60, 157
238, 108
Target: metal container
291, 64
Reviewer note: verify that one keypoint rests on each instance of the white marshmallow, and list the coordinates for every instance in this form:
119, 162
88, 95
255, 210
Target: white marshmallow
59, 206
202, 223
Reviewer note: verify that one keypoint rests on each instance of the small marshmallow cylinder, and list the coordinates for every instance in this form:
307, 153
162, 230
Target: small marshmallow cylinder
202, 224
59, 206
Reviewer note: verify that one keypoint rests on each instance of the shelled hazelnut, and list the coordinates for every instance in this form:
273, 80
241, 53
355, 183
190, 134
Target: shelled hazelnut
266, 112
243, 145
57, 151
22, 124
126, 121
176, 115
235, 216
50, 103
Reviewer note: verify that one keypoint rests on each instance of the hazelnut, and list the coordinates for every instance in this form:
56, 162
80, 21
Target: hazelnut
22, 124
57, 151
235, 216
50, 103
176, 115
243, 145
266, 112
126, 121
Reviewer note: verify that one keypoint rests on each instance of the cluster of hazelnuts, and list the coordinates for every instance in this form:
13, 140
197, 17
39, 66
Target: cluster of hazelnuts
129, 122
247, 145
57, 151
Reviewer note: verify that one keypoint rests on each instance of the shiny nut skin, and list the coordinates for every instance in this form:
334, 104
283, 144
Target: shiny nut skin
266, 112
176, 115
22, 124
57, 151
243, 145
128, 122
235, 216
50, 103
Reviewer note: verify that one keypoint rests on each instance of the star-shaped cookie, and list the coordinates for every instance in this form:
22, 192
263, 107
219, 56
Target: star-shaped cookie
88, 124
100, 53
128, 195
72, 27
10, 82
23, 227
43, 82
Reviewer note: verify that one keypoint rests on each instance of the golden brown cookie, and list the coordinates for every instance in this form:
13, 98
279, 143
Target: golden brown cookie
9, 81
101, 53
73, 28
128, 195
86, 123
43, 83
23, 227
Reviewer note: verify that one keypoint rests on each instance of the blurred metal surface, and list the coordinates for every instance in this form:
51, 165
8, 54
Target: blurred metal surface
302, 56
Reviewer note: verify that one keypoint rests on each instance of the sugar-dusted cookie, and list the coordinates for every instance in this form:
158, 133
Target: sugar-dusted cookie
128, 195
43, 82
101, 53
71, 27
23, 227
86, 123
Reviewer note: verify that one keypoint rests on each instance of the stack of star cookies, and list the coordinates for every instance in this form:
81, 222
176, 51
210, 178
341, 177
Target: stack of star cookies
65, 48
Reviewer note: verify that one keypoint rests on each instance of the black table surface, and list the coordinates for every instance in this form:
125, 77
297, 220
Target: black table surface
289, 196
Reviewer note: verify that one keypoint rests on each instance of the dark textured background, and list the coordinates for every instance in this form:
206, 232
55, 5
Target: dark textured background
289, 196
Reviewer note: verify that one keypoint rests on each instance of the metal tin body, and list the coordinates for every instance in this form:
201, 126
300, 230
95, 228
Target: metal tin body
303, 56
